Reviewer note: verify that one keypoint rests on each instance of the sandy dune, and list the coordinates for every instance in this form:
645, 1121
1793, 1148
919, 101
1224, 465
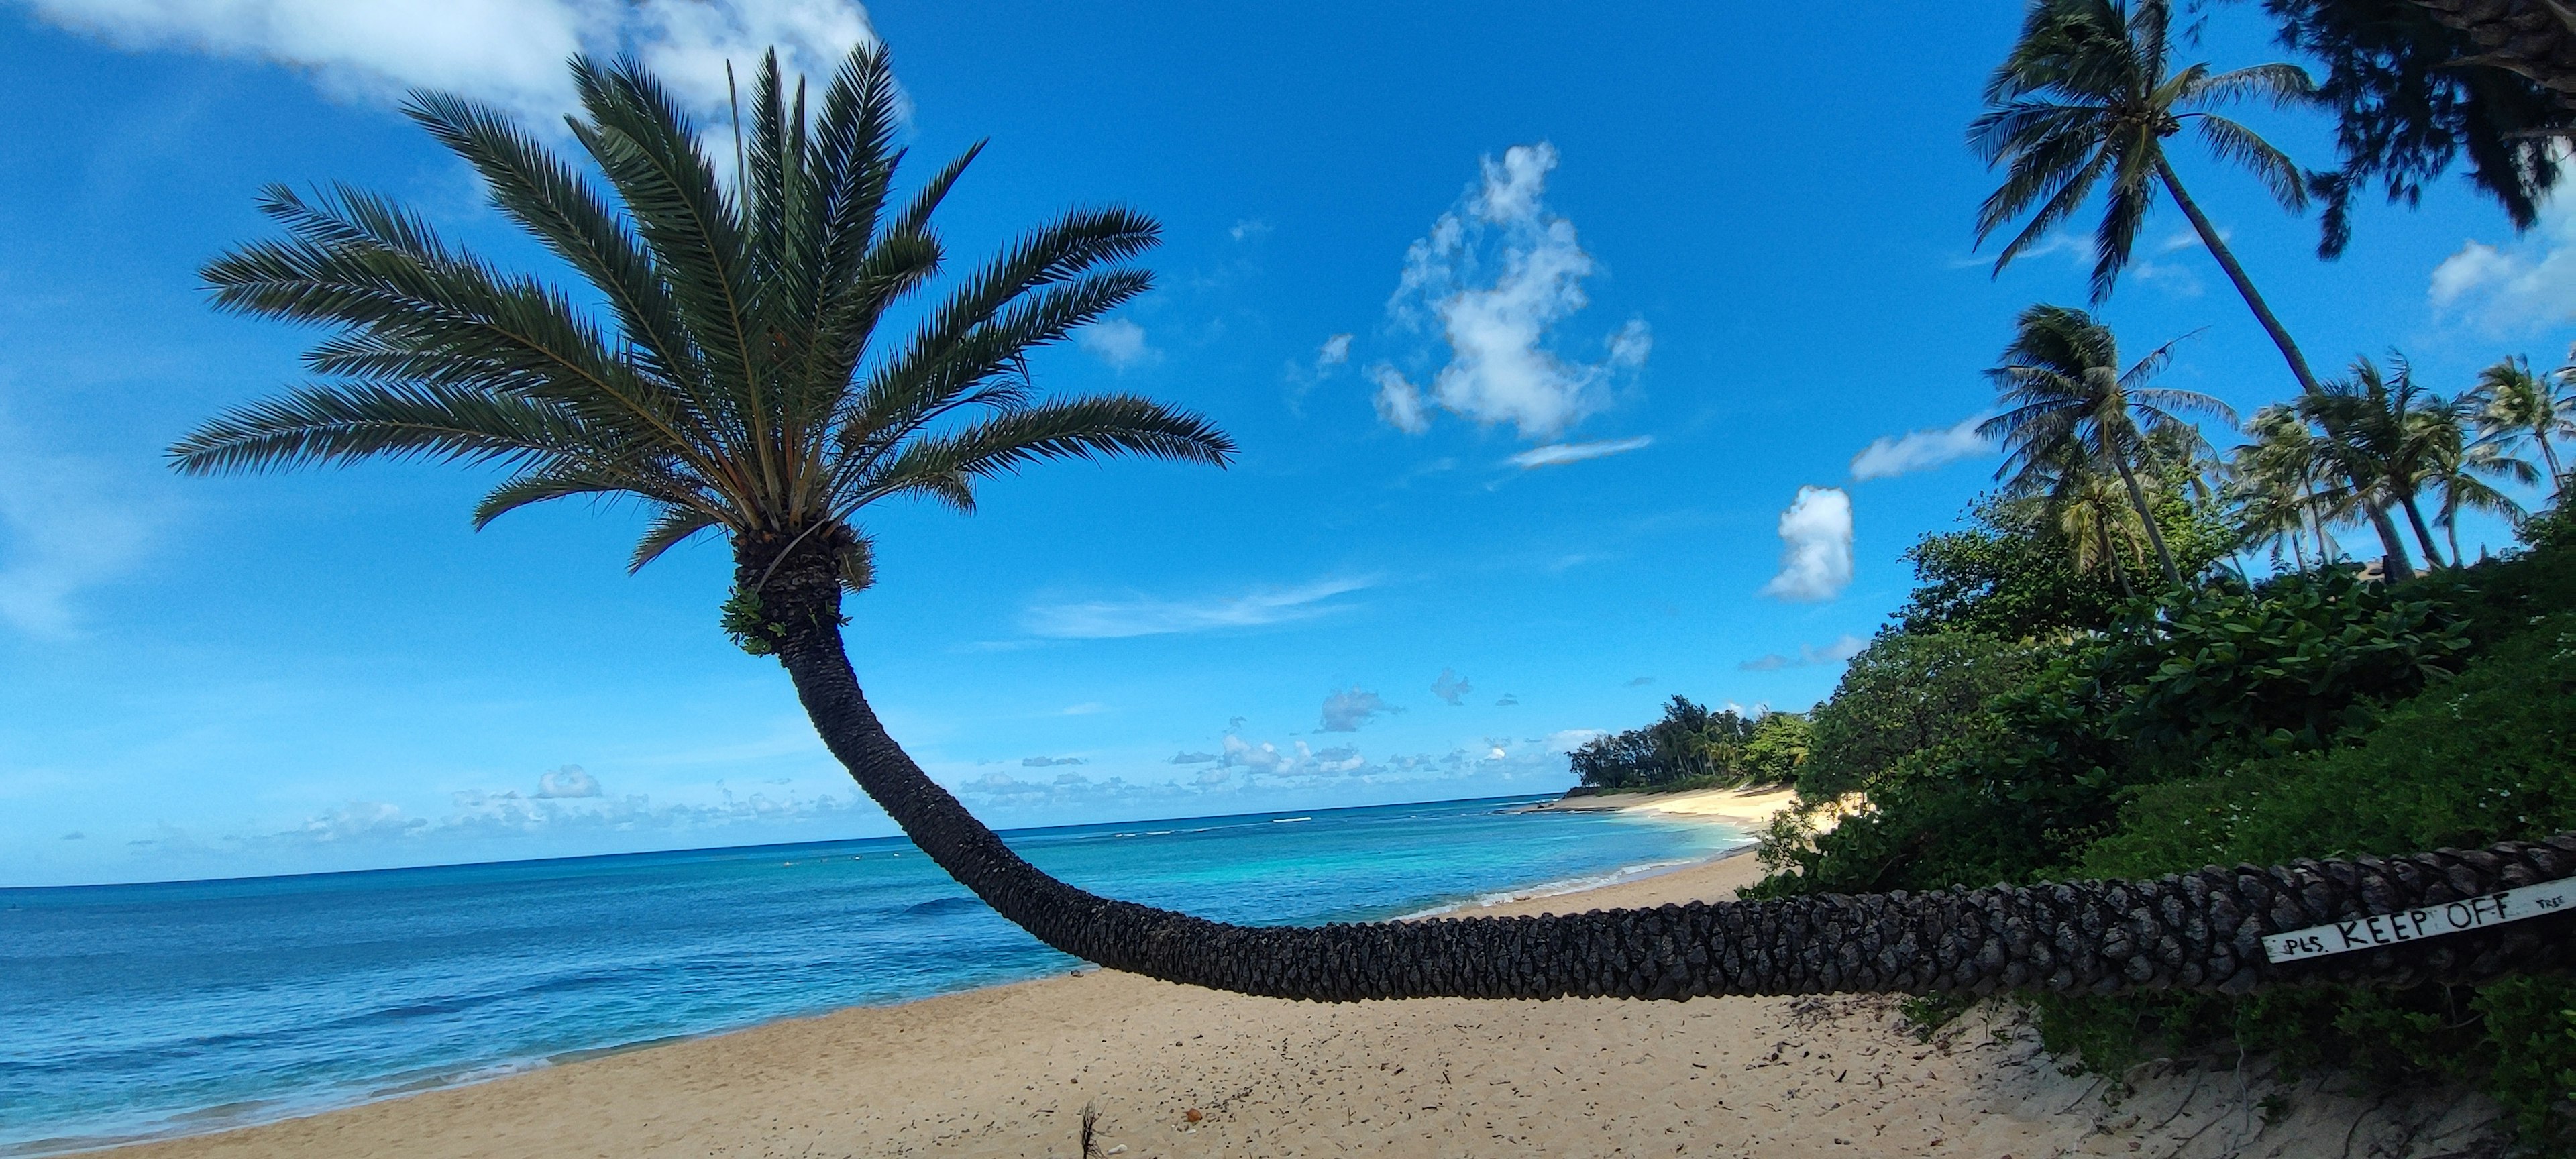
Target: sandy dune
1009, 1071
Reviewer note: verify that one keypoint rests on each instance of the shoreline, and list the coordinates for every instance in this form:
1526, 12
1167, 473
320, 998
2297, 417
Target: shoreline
1180, 1073
509, 1070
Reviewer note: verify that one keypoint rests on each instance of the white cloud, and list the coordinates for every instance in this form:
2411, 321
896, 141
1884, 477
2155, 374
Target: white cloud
2525, 285
1451, 688
1640, 681
1047, 762
1889, 456
567, 783
1335, 351
1347, 711
1118, 342
1554, 454
1498, 272
1117, 619
1808, 655
1249, 227
1191, 758
65, 525
1399, 402
1508, 700
509, 52
1816, 551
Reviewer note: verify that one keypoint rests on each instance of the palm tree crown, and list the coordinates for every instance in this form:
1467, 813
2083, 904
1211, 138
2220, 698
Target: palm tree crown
2065, 397
2085, 99
2513, 405
731, 385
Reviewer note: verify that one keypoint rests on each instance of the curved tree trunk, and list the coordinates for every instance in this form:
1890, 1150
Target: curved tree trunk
2200, 930
2394, 562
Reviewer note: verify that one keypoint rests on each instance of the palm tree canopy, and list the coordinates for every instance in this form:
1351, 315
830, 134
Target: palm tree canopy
2086, 99
2061, 382
732, 382
2512, 405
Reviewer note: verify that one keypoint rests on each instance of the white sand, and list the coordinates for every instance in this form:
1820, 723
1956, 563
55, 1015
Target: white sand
1008, 1071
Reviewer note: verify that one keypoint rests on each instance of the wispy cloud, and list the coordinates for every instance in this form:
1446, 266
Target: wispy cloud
1117, 619
1347, 711
1892, 455
1808, 655
1497, 273
1554, 454
1816, 546
1118, 342
1451, 688
66, 525
1335, 351
509, 52
1048, 762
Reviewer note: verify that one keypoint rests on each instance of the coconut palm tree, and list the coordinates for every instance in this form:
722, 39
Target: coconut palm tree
2457, 465
2384, 434
2273, 484
2514, 405
2088, 97
2065, 396
731, 379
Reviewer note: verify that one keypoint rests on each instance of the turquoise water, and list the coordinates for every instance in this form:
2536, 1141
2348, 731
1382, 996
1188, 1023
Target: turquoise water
131, 1011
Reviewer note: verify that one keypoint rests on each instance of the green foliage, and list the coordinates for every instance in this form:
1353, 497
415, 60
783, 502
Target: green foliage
2317, 715
1908, 696
2002, 576
1695, 748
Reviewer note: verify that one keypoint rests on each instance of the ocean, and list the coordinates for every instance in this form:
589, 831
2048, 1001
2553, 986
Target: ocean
140, 1011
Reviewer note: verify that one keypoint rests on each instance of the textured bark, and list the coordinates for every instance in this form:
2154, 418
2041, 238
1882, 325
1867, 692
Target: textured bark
2192, 931
2535, 39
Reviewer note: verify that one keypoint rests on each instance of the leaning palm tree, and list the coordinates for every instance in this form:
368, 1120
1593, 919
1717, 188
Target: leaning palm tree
2088, 99
734, 383
2515, 405
2383, 433
2065, 396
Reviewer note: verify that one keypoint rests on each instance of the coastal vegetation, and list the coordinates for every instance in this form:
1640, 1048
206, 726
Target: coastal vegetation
1693, 747
2090, 679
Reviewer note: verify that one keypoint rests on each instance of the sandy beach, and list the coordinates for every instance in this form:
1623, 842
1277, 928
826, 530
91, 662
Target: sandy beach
1176, 1072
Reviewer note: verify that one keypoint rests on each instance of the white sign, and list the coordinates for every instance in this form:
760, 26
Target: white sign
2378, 930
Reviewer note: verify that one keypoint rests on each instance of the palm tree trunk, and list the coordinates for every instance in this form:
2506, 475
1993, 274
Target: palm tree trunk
2111, 555
2138, 498
2198, 931
2549, 455
2423, 534
2451, 528
2395, 564
2195, 931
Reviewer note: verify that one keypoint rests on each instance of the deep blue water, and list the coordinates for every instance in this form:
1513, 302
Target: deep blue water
139, 1010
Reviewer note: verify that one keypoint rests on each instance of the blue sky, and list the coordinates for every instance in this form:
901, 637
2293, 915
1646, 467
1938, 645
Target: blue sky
1553, 336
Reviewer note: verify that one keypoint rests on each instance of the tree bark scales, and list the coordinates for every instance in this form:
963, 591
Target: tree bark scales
2196, 931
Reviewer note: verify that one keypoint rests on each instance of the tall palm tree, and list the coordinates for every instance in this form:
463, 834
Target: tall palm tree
2088, 97
2065, 396
2458, 466
733, 383
2514, 405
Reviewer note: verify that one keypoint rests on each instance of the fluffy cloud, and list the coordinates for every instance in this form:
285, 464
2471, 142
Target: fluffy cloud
1556, 453
1497, 273
1048, 762
2524, 285
1116, 619
1816, 546
570, 782
1186, 757
509, 52
1889, 456
1118, 342
1297, 760
1451, 688
1808, 655
1335, 351
1347, 711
